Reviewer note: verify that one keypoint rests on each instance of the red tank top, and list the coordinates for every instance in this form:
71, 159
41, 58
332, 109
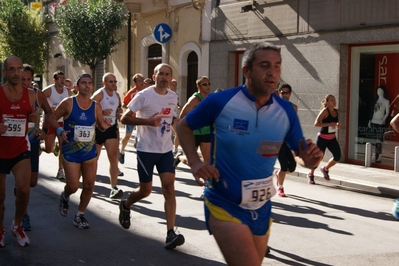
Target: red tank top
15, 115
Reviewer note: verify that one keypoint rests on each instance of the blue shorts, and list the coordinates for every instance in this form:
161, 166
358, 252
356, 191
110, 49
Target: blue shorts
80, 156
129, 129
258, 221
6, 165
147, 160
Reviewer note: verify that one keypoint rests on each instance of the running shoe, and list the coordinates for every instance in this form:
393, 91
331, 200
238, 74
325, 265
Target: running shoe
26, 223
124, 215
173, 240
280, 192
116, 193
19, 233
267, 251
176, 160
60, 174
64, 205
311, 179
121, 158
80, 222
325, 173
2, 243
120, 173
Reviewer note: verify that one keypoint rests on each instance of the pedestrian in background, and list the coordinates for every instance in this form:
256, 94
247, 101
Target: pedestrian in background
81, 115
35, 134
55, 93
154, 107
248, 125
327, 120
138, 81
285, 156
110, 103
17, 109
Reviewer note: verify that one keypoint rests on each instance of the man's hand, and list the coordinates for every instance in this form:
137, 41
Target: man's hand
34, 117
203, 171
3, 127
154, 120
311, 155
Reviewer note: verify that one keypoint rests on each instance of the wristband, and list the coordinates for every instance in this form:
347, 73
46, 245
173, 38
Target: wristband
59, 131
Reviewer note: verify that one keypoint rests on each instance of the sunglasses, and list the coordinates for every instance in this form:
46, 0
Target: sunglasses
206, 84
112, 81
284, 92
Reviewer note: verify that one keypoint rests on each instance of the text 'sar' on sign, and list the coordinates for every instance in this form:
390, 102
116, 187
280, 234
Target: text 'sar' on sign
162, 32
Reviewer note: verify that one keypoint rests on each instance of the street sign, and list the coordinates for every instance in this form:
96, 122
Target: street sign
162, 33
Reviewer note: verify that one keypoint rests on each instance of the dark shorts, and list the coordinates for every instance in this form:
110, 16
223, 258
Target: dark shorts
6, 165
202, 138
147, 160
34, 156
110, 133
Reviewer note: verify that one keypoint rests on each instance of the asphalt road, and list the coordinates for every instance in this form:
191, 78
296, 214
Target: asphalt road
314, 225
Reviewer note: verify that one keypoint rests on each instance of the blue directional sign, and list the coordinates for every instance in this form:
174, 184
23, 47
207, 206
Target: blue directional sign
162, 33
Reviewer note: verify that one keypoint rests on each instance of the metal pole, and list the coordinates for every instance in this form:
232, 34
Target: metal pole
367, 153
396, 161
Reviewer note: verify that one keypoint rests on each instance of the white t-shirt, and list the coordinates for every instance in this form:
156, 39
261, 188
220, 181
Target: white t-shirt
146, 103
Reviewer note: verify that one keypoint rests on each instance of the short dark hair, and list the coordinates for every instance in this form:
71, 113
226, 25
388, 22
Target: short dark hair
285, 85
249, 55
28, 67
56, 73
85, 75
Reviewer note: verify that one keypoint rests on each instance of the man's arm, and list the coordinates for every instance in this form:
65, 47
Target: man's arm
60, 111
191, 103
129, 119
395, 123
200, 170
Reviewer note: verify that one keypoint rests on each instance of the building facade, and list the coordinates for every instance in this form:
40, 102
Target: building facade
347, 48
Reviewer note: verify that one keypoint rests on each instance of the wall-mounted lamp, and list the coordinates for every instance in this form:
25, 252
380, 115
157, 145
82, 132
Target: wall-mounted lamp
57, 55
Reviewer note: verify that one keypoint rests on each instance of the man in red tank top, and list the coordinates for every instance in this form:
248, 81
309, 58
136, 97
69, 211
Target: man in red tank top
16, 110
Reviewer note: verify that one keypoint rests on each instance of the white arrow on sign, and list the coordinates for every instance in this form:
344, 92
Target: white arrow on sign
162, 34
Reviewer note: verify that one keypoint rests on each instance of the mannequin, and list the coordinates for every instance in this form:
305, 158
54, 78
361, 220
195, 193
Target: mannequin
379, 115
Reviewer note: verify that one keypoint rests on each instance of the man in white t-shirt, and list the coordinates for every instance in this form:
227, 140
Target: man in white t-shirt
154, 107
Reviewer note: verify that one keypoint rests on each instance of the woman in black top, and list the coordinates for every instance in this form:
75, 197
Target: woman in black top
327, 120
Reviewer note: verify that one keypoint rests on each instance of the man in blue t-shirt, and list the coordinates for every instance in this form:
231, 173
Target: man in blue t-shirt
248, 125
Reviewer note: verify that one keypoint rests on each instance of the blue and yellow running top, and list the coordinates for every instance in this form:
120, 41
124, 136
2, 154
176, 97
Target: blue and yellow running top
80, 123
245, 141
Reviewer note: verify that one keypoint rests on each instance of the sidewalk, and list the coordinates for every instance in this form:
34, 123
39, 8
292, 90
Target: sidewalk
368, 179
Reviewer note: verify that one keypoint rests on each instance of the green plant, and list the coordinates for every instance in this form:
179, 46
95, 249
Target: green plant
89, 30
23, 33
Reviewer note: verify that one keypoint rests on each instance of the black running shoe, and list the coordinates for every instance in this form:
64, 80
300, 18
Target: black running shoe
173, 240
124, 215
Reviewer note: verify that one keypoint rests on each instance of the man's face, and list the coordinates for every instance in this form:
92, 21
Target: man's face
139, 83
204, 86
27, 78
173, 85
13, 72
85, 86
68, 84
264, 76
110, 83
285, 93
59, 80
163, 77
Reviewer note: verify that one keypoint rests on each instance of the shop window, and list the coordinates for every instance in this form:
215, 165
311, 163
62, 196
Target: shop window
374, 101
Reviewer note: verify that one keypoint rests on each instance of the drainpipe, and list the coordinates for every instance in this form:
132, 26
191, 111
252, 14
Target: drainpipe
129, 50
